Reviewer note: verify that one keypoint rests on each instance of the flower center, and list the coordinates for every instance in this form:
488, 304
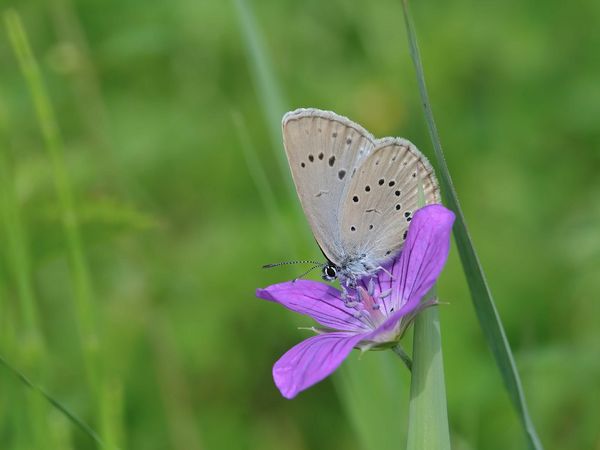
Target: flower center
367, 308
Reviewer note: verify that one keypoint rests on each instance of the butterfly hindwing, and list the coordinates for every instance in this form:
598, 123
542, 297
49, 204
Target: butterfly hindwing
381, 198
323, 150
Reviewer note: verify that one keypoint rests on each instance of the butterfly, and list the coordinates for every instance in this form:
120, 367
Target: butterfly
357, 192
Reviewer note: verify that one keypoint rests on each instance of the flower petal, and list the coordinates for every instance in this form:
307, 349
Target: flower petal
423, 255
318, 300
416, 269
311, 361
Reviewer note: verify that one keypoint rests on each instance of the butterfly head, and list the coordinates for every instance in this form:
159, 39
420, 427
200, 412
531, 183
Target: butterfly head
329, 272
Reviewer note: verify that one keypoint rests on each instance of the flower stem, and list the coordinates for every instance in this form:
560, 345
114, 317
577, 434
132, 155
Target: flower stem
398, 350
428, 415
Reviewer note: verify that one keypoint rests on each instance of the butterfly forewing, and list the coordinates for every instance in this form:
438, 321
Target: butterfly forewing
382, 197
324, 150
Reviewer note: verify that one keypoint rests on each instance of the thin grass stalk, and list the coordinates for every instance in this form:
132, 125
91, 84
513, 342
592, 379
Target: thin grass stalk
267, 85
261, 182
83, 298
17, 254
32, 348
73, 418
488, 316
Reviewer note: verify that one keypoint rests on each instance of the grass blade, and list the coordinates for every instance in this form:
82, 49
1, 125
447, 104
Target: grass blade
488, 316
83, 297
257, 172
32, 345
55, 403
54, 146
428, 412
267, 86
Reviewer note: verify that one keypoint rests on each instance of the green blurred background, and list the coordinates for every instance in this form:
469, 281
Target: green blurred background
172, 150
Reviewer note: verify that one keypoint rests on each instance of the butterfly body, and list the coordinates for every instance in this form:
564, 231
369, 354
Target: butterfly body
358, 192
350, 268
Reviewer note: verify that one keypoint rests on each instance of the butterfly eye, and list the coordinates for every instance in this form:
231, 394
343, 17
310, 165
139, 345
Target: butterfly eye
329, 272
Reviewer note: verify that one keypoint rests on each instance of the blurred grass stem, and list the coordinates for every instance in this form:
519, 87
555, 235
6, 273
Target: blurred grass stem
267, 86
33, 348
260, 178
83, 297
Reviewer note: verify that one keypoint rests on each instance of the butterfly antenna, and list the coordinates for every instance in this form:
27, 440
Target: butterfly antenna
307, 272
304, 261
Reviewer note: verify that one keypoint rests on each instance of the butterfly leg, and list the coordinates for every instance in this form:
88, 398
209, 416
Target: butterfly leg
350, 283
349, 293
348, 299
344, 295
386, 271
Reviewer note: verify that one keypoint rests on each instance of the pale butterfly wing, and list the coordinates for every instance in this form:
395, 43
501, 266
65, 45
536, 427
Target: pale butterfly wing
381, 199
324, 149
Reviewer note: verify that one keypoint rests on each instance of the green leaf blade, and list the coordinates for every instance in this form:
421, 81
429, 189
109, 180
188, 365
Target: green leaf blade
485, 308
428, 411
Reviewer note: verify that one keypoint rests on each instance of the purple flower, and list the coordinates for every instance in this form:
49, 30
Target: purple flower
378, 315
